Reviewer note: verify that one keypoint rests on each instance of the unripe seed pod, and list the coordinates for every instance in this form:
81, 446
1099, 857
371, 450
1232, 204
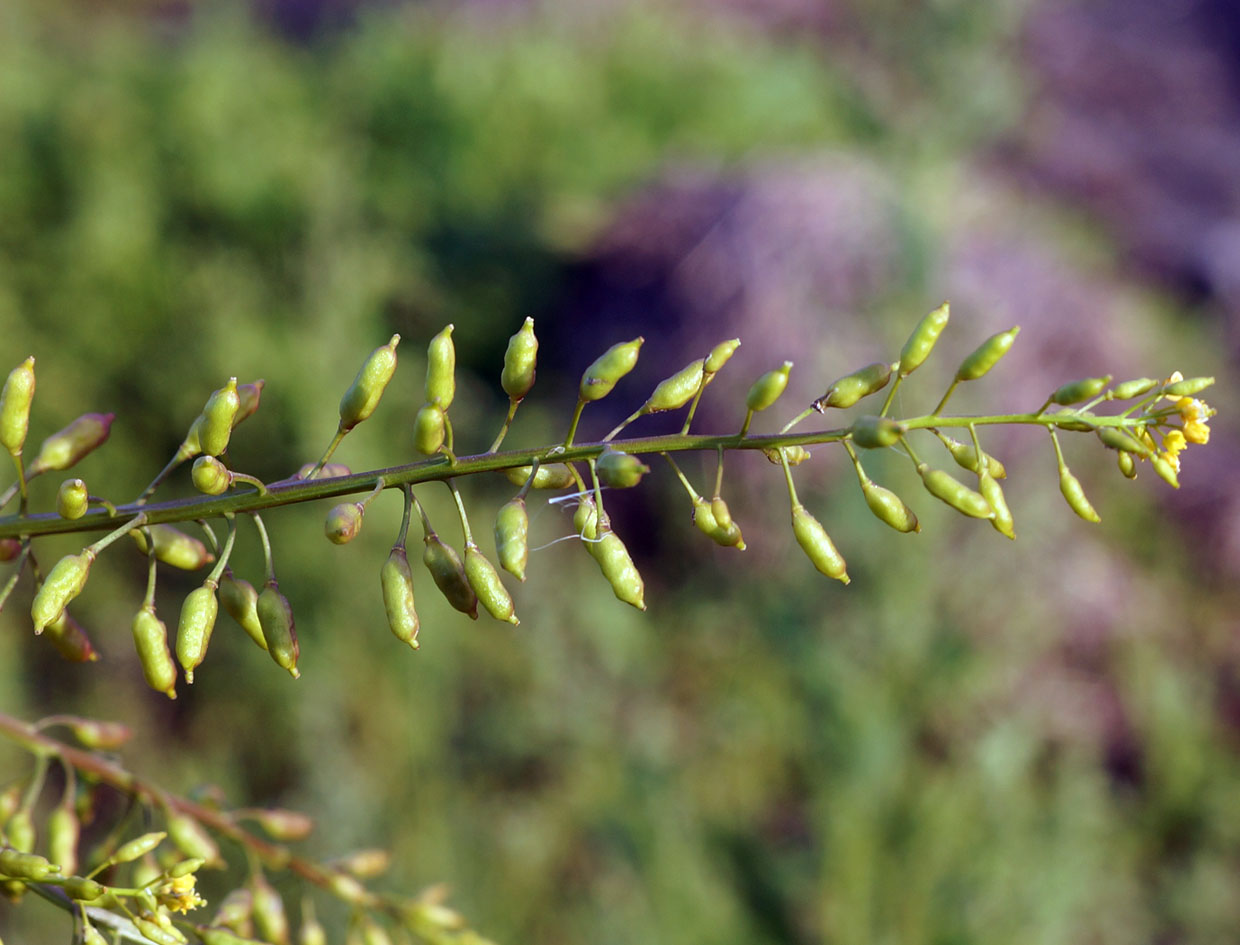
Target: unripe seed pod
138, 847
65, 582
192, 839
198, 614
1002, 521
66, 447
397, 581
889, 507
287, 826
80, 889
235, 911
99, 735
1076, 391
269, 914
817, 544
19, 829
15, 401
726, 533
955, 493
249, 395
343, 523
1071, 488
362, 397
275, 616
26, 865
719, 356
852, 387
520, 361
192, 444
72, 499
92, 936
240, 600
441, 370
364, 864
311, 932
70, 639
10, 548
186, 867
767, 389
1117, 439
1188, 387
211, 476
486, 583
876, 432
429, 429
157, 933
63, 832
609, 551
150, 638
619, 470
347, 889
986, 355
555, 476
1134, 388
921, 342
217, 418
601, 376
966, 458
719, 509
795, 455
1127, 465
174, 547
677, 390
218, 936
512, 527
449, 575
1166, 472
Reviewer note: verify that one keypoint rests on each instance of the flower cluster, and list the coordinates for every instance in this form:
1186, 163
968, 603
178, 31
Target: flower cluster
1192, 427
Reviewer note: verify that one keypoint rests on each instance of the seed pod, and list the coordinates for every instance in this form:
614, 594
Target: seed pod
269, 914
609, 551
72, 499
852, 387
1117, 439
889, 507
1070, 486
364, 864
986, 355
63, 832
92, 936
287, 826
795, 455
66, 447
343, 523
512, 527
1188, 387
555, 476
15, 401
677, 390
1002, 521
347, 889
601, 376
191, 838
766, 389
520, 360
217, 418
240, 600
198, 614
362, 397
1130, 389
429, 429
486, 583
97, 734
157, 933
726, 533
10, 548
174, 547
1076, 391
817, 544
211, 476
20, 830
81, 889
235, 911
1127, 465
619, 470
449, 575
1165, 470
955, 493
138, 847
26, 865
876, 432
275, 616
328, 471
218, 936
441, 370
921, 342
311, 932
719, 356
397, 581
150, 638
65, 582
70, 639
966, 457
719, 509
249, 396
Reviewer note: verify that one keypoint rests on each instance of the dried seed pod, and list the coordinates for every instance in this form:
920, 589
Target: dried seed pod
269, 915
817, 544
397, 581
441, 370
1135, 388
1072, 491
1188, 387
217, 418
795, 455
1117, 439
343, 523
70, 639
947, 488
619, 470
719, 356
889, 507
768, 388
150, 638
512, 527
852, 387
601, 376
554, 476
706, 516
362, 397
430, 429
966, 457
677, 390
1002, 521
921, 342
240, 600
10, 548
64, 830
449, 574
520, 361
15, 401
986, 355
72, 499
211, 476
275, 616
63, 583
26, 865
198, 614
1127, 465
1076, 391
66, 447
174, 547
486, 584
876, 432
192, 839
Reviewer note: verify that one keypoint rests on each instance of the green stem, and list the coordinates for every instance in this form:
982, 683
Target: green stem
340, 433
225, 554
21, 480
624, 423
951, 389
460, 509
266, 542
17, 573
503, 431
891, 394
116, 535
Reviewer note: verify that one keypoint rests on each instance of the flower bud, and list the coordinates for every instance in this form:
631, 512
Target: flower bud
26, 865
65, 582
240, 600
921, 342
486, 584
719, 356
10, 548
677, 390
520, 360
889, 507
362, 397
554, 476
1076, 391
63, 832
72, 499
966, 458
150, 639
441, 370
876, 432
217, 418
138, 847
343, 523
1117, 439
601, 376
817, 544
1070, 486
70, 639
955, 493
1129, 389
725, 532
429, 429
173, 547
397, 582
15, 401
619, 470
795, 455
275, 616
193, 840
1127, 465
986, 355
852, 387
766, 389
512, 526
449, 575
198, 614
66, 447
1002, 521
211, 476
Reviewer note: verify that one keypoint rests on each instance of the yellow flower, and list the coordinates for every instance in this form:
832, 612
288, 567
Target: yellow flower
1173, 443
1194, 413
179, 894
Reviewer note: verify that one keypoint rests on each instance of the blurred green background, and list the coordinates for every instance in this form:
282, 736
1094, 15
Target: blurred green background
975, 742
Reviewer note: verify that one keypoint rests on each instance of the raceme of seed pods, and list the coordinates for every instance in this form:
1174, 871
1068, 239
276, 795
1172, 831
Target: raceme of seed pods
1149, 420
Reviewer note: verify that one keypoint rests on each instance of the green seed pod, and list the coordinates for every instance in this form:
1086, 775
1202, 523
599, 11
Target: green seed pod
26, 865
955, 493
287, 826
269, 914
601, 376
986, 355
98, 735
429, 429
80, 889
72, 499
192, 839
817, 544
719, 509
1127, 465
619, 470
174, 547
362, 397
217, 418
1002, 521
512, 527
10, 548
555, 476
311, 932
1076, 391
20, 831
1166, 472
486, 584
1188, 387
347, 888
64, 830
275, 616
240, 601
235, 911
138, 847
677, 390
766, 389
726, 533
1070, 486
441, 370
192, 444
852, 387
921, 342
876, 432
15, 401
719, 356
157, 933
65, 582
198, 614
1117, 439
70, 639
211, 476
150, 638
795, 455
966, 458
343, 523
397, 581
889, 507
1130, 389
364, 864
609, 551
218, 936
449, 575
66, 447
520, 360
